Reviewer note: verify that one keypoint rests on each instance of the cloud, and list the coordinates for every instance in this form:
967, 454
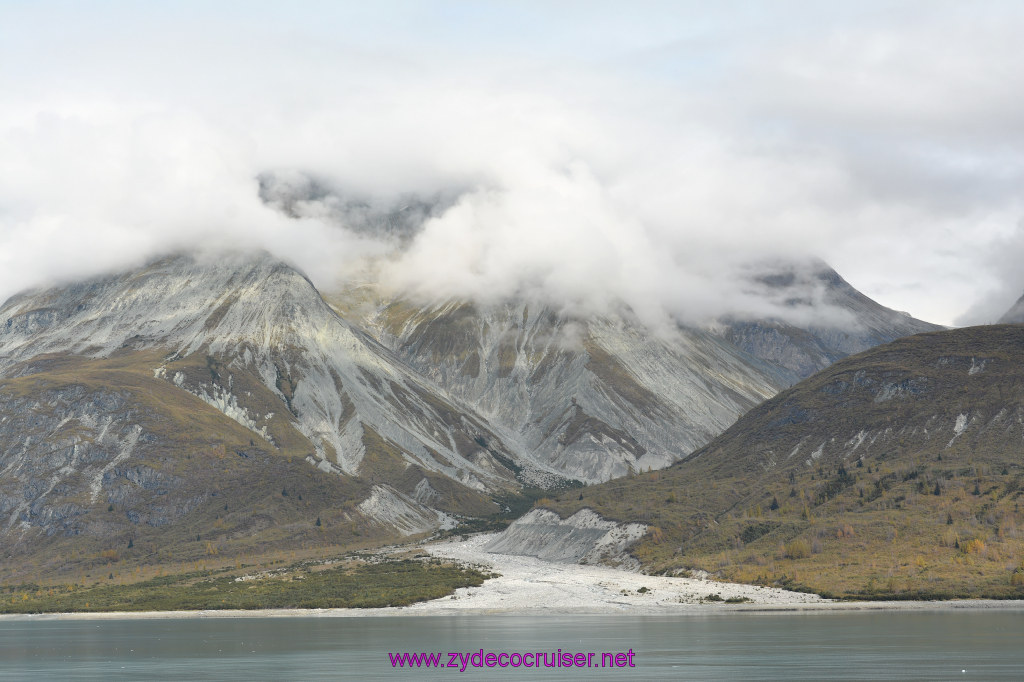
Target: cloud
1001, 279
584, 153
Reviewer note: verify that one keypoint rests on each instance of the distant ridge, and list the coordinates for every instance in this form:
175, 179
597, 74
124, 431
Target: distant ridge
1015, 315
797, 351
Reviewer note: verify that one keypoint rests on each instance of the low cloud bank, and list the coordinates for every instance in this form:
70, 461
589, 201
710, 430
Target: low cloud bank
587, 156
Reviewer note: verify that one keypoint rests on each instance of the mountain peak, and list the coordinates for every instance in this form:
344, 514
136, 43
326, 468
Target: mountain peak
815, 318
183, 300
233, 326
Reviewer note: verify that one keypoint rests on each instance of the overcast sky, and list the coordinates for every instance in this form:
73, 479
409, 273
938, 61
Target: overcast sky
642, 151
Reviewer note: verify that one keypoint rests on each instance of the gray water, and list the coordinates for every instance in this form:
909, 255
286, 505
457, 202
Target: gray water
930, 645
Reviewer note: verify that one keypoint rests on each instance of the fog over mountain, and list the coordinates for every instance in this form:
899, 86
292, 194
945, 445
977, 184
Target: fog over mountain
1014, 315
141, 407
587, 153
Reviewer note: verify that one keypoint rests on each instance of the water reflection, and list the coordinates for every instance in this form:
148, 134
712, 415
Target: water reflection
747, 646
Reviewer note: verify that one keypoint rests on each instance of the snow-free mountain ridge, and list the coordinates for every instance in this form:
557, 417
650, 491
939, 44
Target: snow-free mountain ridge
220, 398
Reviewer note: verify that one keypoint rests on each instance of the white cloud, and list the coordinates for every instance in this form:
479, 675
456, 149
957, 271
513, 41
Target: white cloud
586, 151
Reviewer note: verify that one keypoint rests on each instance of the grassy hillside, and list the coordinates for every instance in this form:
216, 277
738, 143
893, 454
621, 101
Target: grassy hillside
896, 473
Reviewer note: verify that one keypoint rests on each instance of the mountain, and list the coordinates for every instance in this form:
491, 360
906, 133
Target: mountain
599, 397
1014, 315
196, 391
896, 472
592, 398
209, 406
837, 320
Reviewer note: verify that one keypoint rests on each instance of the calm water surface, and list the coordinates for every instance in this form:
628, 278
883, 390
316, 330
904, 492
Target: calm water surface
936, 645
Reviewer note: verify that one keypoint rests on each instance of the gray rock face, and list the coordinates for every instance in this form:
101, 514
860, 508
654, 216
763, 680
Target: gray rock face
596, 398
583, 538
65, 451
250, 337
591, 399
253, 315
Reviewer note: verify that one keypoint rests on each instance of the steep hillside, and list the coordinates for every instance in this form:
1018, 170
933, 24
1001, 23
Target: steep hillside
257, 321
186, 399
104, 467
898, 472
598, 397
591, 398
121, 396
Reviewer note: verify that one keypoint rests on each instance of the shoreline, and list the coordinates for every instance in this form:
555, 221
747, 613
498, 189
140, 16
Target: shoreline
682, 610
528, 586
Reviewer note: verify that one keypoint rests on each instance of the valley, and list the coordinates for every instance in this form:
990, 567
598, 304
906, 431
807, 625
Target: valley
200, 413
896, 473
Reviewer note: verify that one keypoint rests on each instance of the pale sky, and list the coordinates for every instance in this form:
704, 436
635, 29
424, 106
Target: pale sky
636, 150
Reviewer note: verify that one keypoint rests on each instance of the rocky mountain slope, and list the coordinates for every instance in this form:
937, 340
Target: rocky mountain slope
592, 398
257, 322
895, 472
599, 397
180, 404
104, 384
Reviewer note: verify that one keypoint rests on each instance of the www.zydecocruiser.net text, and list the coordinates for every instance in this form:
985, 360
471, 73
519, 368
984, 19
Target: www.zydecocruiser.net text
463, 660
